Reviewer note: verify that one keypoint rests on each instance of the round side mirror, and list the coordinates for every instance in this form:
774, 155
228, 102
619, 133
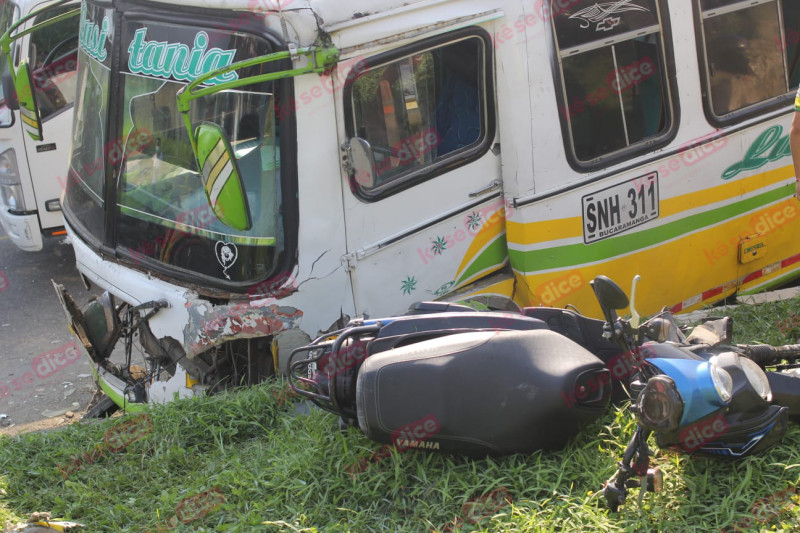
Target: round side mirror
609, 294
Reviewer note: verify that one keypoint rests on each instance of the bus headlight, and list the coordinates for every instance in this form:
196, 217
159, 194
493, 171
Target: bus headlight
10, 185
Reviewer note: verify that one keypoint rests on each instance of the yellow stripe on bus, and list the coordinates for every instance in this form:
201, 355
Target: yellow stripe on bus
709, 259
490, 229
572, 227
723, 192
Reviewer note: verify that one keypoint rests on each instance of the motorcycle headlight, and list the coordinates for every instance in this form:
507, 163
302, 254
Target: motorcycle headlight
757, 378
723, 383
660, 405
10, 186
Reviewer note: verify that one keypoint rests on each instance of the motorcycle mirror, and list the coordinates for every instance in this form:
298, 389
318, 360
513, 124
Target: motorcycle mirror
609, 294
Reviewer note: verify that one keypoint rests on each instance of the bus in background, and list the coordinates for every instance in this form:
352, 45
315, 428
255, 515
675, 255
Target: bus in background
32, 169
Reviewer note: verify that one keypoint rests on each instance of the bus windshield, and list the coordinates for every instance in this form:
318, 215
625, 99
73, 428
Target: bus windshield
161, 211
160, 182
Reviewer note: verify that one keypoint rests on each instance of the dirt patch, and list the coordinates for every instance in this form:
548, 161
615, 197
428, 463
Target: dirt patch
42, 425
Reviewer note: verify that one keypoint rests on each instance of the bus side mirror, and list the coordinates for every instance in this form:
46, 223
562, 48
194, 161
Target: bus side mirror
362, 162
9, 92
221, 177
26, 96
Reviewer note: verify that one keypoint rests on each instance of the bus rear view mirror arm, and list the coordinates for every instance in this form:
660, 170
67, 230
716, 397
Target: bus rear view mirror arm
212, 151
318, 60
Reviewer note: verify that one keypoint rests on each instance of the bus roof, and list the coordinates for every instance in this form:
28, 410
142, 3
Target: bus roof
331, 12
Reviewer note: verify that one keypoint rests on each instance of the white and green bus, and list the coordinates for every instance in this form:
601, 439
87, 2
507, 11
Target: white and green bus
247, 175
33, 165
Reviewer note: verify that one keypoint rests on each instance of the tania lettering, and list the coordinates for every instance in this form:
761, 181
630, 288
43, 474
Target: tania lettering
92, 36
175, 60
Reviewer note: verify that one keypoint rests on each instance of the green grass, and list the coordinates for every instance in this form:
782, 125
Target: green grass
291, 471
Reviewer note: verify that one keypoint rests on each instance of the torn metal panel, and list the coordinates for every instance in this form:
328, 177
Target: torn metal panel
211, 325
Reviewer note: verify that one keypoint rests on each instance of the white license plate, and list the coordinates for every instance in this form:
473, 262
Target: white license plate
619, 208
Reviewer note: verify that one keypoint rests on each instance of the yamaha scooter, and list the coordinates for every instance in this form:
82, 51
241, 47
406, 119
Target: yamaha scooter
447, 378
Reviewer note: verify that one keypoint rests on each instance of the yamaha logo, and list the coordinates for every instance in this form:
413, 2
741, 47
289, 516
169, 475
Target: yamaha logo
418, 444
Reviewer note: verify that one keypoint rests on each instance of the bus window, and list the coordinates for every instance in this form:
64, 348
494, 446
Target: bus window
749, 57
421, 109
54, 58
614, 94
791, 41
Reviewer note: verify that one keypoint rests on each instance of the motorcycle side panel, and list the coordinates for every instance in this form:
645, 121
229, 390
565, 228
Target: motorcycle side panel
487, 392
411, 329
588, 332
740, 434
458, 320
786, 391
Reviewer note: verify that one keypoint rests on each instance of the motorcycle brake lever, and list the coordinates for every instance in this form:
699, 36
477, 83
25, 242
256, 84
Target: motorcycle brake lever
642, 489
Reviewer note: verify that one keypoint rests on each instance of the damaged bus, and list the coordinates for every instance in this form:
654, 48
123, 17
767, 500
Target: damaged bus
247, 175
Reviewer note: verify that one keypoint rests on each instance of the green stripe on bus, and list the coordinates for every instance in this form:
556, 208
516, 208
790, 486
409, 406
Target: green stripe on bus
577, 254
116, 396
493, 255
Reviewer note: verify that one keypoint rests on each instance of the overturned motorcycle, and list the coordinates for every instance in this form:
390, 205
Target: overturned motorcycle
444, 377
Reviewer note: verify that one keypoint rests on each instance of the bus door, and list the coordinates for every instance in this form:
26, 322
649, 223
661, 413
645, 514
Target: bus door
424, 214
53, 56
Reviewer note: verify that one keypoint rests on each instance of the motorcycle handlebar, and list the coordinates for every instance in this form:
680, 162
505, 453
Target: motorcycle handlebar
765, 354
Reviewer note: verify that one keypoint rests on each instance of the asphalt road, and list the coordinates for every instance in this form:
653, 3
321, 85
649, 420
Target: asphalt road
41, 373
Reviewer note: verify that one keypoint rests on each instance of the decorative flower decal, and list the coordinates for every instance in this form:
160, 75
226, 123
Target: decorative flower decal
409, 285
474, 221
439, 245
